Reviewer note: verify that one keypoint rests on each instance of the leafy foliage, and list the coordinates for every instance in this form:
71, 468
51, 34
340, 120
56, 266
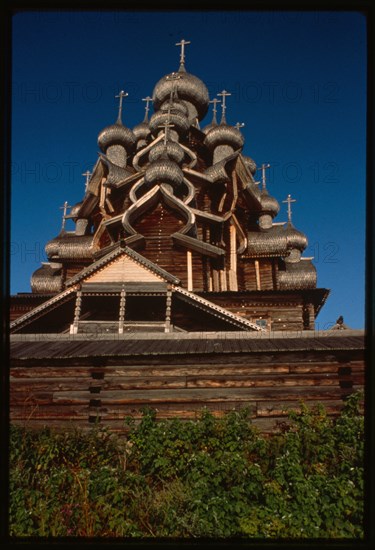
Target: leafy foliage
215, 477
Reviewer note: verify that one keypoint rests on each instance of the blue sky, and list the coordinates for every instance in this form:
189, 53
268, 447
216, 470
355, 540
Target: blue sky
298, 82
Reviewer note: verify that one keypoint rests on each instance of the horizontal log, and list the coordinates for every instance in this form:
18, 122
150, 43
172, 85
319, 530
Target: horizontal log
52, 384
130, 383
62, 372
193, 370
204, 395
180, 368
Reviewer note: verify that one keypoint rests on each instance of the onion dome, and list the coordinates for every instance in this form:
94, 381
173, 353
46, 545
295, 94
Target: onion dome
175, 106
250, 164
187, 87
141, 131
116, 134
208, 127
267, 243
171, 150
269, 204
163, 171
52, 248
179, 121
295, 239
297, 276
224, 135
47, 279
70, 246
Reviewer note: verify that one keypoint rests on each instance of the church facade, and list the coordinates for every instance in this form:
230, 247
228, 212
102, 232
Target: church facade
179, 275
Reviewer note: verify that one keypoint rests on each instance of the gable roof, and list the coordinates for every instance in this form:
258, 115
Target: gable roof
128, 257
216, 310
124, 265
43, 308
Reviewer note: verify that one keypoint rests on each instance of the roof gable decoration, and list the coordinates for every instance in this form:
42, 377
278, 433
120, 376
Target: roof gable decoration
123, 265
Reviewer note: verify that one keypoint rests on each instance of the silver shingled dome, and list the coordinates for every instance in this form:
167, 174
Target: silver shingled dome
295, 239
223, 134
163, 171
188, 87
116, 134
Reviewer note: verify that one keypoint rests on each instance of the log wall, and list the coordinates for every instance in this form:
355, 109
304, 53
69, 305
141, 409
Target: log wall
80, 392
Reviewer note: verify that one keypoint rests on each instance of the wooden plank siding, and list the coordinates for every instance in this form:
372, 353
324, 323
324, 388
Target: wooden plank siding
281, 314
75, 393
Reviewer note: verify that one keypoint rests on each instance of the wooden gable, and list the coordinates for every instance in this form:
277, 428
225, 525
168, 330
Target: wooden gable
123, 269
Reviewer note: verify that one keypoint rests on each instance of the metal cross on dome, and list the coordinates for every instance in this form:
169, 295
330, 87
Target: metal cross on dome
87, 174
64, 208
264, 167
289, 200
214, 101
183, 43
173, 77
147, 99
223, 94
121, 96
167, 125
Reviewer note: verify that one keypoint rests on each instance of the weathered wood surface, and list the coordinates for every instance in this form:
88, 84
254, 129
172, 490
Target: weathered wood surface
62, 395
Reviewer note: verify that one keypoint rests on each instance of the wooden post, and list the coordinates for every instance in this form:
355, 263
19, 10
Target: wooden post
77, 313
257, 274
223, 280
122, 311
189, 270
233, 285
168, 311
103, 194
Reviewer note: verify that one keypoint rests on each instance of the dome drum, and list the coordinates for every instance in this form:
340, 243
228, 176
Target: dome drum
82, 226
265, 221
293, 257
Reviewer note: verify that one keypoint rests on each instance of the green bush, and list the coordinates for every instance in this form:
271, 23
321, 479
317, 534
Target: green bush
215, 477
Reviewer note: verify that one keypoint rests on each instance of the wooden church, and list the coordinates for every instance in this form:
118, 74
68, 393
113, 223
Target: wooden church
178, 289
